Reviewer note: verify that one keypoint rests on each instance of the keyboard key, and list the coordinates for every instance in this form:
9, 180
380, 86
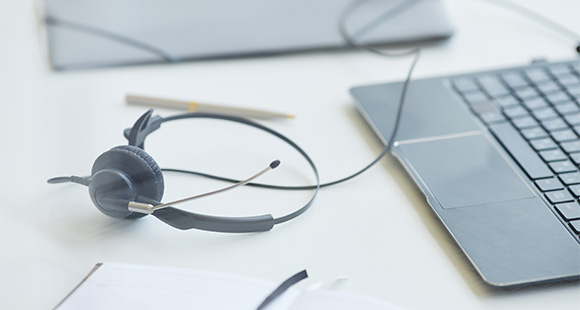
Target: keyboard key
548, 87
573, 90
557, 97
475, 96
546, 113
562, 166
554, 124
575, 158
543, 144
575, 225
492, 86
559, 69
569, 211
563, 135
534, 133
568, 79
576, 67
484, 106
572, 119
570, 178
492, 117
525, 122
507, 101
571, 147
465, 85
535, 103
536, 75
487, 111
567, 108
515, 112
550, 184
559, 196
575, 190
514, 80
519, 148
553, 155
526, 92
563, 74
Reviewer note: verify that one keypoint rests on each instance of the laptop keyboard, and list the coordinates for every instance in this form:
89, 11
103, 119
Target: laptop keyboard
534, 112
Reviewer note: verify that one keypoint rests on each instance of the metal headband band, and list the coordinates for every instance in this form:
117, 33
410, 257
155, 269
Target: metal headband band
181, 219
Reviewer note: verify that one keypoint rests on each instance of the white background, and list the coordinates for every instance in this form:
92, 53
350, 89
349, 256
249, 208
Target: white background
376, 229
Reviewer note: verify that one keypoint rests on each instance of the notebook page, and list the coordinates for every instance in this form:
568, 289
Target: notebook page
127, 287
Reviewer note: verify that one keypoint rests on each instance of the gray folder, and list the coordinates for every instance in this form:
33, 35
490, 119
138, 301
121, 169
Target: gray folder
94, 33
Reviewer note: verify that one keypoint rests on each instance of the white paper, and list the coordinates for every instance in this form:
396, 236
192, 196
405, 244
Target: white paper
131, 287
119, 286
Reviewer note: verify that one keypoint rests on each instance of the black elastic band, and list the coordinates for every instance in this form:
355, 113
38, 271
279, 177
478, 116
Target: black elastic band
101, 32
283, 288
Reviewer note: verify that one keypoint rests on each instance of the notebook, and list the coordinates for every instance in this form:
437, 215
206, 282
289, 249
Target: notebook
126, 286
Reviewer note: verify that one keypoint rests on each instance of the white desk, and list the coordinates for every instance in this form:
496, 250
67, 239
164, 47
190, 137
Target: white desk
376, 229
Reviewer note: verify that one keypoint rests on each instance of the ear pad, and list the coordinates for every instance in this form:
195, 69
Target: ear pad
140, 171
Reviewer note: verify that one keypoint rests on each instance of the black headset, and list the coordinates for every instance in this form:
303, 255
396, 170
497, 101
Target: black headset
126, 182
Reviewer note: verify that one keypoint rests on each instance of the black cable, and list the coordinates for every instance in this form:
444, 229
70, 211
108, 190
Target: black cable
111, 35
350, 40
386, 150
342, 29
417, 51
538, 18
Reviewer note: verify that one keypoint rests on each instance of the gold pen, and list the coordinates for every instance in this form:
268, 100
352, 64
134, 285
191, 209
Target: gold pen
203, 107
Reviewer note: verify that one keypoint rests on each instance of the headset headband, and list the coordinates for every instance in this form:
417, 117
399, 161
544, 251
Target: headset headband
181, 219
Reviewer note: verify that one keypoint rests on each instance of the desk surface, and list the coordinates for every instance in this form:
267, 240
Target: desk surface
376, 229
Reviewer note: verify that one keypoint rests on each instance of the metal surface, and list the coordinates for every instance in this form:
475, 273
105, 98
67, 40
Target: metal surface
503, 226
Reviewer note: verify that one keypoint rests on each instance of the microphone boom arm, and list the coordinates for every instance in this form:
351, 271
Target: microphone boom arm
147, 208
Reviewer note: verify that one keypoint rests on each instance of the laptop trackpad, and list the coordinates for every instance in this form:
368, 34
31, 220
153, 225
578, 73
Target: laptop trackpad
464, 171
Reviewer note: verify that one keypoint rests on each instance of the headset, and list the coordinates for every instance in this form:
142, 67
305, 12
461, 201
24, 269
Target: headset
126, 182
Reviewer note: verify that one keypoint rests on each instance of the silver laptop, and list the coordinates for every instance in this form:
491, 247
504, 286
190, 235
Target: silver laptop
93, 33
496, 154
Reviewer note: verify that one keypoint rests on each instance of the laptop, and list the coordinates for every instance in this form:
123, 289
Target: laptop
96, 33
496, 155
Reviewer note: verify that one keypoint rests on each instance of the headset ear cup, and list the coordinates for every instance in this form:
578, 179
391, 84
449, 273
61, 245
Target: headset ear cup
110, 190
139, 167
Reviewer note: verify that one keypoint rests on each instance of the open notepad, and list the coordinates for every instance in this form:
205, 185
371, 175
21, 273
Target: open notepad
115, 286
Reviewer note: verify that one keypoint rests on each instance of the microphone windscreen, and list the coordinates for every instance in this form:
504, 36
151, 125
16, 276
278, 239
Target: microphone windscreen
275, 164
